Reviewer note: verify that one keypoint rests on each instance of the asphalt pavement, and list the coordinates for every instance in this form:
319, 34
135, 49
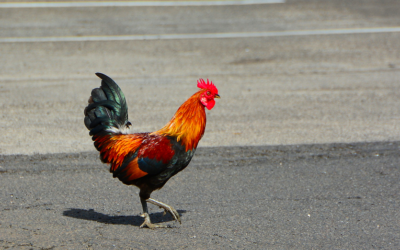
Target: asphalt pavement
332, 196
301, 151
275, 90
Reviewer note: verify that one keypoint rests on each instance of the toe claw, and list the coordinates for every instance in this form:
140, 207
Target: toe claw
167, 208
148, 223
173, 213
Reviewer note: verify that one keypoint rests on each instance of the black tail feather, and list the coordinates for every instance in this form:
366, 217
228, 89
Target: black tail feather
107, 111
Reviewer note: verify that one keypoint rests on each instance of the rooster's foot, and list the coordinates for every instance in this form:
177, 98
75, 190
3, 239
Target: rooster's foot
167, 208
148, 223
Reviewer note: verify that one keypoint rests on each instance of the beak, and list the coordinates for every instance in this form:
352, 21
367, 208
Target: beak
217, 96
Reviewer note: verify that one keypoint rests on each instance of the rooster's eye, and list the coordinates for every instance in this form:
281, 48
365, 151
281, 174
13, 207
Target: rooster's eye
208, 93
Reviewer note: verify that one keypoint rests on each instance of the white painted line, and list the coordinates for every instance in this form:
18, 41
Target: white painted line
199, 36
135, 3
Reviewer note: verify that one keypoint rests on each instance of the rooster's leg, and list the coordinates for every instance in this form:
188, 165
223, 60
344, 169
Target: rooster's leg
167, 208
145, 215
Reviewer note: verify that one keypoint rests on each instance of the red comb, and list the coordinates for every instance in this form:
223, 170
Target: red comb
209, 85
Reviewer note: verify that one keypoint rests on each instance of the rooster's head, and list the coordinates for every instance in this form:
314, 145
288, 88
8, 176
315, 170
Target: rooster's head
210, 92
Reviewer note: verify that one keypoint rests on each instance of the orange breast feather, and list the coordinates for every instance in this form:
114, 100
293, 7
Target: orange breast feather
114, 148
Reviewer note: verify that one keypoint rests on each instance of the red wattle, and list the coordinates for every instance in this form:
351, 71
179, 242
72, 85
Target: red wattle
210, 104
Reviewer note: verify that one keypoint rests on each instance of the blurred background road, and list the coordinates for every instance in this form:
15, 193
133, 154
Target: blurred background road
275, 90
296, 77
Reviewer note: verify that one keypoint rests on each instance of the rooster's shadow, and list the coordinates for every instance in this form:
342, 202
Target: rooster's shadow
135, 220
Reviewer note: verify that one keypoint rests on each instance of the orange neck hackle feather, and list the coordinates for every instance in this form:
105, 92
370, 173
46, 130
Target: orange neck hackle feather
188, 123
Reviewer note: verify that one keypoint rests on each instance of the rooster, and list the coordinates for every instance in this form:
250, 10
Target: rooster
146, 160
